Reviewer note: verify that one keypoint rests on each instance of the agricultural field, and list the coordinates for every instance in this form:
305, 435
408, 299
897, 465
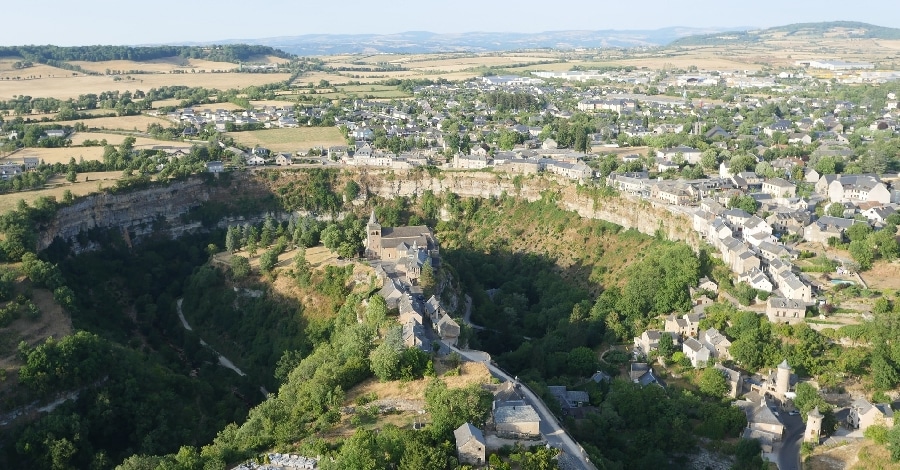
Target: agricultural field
61, 154
165, 65
126, 123
58, 185
115, 139
276, 103
290, 140
64, 86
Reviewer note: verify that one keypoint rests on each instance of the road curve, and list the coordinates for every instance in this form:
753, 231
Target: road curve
550, 427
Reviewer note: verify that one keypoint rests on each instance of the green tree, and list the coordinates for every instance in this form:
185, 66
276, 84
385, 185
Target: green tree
268, 260
426, 279
713, 383
351, 190
385, 359
240, 267
666, 346
863, 253
302, 268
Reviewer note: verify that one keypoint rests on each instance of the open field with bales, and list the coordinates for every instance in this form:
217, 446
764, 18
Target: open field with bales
65, 86
291, 140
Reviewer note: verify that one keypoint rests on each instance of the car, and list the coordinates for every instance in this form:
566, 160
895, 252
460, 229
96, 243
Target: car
776, 413
794, 413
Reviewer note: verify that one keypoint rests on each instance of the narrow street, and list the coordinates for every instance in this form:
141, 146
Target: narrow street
789, 453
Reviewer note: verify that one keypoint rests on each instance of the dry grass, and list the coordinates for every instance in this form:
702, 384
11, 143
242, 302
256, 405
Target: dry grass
291, 140
883, 275
64, 86
115, 139
53, 322
858, 455
60, 155
276, 103
126, 123
471, 372
58, 185
164, 65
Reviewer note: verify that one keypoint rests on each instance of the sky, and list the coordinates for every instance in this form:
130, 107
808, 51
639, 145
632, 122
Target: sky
87, 22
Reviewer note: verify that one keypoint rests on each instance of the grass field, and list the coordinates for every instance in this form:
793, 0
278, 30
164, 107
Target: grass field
276, 103
115, 139
291, 140
64, 86
58, 185
164, 65
60, 155
125, 123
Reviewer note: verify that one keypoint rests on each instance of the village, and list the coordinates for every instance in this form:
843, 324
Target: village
763, 178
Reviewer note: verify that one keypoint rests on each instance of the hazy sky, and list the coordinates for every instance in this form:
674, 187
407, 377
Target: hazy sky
67, 22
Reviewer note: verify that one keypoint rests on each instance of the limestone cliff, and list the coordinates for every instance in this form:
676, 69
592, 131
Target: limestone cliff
644, 216
139, 213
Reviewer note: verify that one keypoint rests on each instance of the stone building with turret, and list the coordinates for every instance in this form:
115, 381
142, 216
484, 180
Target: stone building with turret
394, 243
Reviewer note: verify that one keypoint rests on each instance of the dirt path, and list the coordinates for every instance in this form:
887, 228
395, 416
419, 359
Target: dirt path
223, 361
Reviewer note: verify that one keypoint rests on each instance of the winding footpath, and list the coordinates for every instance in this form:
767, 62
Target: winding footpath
223, 361
551, 429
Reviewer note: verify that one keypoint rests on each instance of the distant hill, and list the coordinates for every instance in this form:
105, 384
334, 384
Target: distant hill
423, 41
224, 53
832, 29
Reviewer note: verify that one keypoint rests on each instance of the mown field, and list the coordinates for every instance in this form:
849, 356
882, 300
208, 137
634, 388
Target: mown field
64, 85
59, 155
115, 139
125, 123
291, 140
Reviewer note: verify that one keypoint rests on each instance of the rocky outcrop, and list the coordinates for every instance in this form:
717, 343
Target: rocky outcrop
140, 213
644, 216
136, 212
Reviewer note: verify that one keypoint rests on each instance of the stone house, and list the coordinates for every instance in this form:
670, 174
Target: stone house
779, 187
648, 341
717, 343
470, 444
781, 310
517, 421
696, 352
826, 227
685, 326
864, 414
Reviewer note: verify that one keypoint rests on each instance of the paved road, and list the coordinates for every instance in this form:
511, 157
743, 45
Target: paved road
789, 453
553, 432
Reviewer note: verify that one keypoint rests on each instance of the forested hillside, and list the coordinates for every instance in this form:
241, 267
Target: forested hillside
552, 290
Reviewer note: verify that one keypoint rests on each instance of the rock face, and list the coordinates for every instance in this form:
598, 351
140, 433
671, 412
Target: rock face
140, 213
135, 212
644, 216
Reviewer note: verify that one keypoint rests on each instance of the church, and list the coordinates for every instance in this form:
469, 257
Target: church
408, 247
